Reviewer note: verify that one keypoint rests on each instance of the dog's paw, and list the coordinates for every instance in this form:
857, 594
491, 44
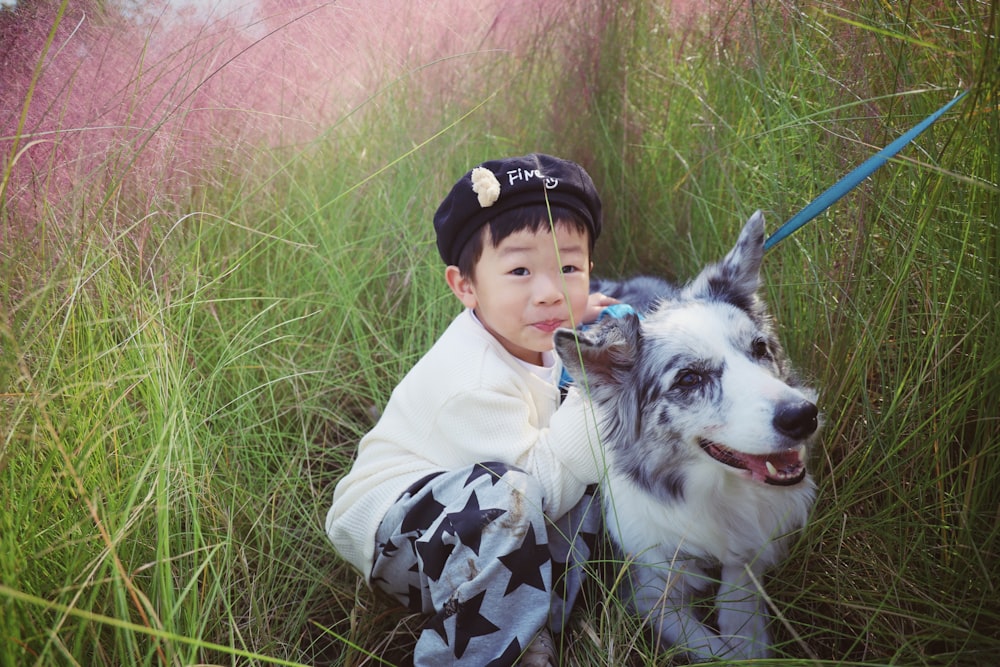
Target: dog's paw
746, 649
745, 646
707, 647
745, 635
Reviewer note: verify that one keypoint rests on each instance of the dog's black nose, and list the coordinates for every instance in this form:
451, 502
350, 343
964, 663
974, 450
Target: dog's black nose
796, 420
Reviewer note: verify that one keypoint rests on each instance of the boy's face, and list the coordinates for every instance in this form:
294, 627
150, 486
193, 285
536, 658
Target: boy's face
528, 286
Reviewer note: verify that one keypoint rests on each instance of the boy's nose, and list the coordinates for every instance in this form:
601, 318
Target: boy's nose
549, 289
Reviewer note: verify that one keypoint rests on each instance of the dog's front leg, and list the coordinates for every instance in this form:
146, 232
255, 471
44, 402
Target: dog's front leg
663, 596
742, 612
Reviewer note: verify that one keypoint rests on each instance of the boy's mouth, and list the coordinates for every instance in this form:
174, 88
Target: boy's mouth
548, 326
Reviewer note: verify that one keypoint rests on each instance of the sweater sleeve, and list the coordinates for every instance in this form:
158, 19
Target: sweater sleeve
565, 456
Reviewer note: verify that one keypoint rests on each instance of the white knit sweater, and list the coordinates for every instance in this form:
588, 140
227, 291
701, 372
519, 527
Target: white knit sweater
466, 401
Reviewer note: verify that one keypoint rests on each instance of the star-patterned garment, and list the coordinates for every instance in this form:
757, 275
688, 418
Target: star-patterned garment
474, 549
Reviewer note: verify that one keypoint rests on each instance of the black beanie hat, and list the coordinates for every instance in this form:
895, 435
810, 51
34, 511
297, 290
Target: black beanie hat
498, 186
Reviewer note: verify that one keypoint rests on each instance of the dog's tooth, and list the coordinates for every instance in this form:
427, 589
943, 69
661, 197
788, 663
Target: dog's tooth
801, 451
771, 469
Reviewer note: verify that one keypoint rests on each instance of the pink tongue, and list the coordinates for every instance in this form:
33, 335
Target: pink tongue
786, 467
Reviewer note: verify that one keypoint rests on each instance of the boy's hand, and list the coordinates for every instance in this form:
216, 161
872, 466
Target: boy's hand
595, 304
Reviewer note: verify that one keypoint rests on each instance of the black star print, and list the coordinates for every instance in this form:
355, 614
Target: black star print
412, 538
491, 469
469, 623
389, 549
436, 622
589, 540
468, 524
525, 563
508, 657
422, 514
434, 553
415, 599
559, 579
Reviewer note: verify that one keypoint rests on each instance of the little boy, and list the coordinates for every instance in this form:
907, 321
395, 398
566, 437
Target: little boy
470, 499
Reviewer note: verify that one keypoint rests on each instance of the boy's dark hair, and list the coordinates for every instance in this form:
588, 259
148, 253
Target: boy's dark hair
531, 218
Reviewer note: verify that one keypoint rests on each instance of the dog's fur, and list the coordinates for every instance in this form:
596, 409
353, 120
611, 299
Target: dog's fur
705, 429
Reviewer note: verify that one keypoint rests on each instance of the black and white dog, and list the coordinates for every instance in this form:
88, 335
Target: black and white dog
706, 432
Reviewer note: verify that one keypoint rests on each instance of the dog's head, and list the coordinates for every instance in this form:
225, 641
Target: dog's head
702, 380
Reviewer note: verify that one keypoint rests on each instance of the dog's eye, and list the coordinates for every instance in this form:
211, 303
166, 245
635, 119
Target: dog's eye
760, 350
687, 379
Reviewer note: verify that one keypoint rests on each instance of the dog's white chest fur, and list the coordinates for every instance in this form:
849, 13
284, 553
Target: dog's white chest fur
718, 521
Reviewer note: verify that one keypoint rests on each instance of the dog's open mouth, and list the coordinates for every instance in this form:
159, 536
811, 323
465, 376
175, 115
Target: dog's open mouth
780, 468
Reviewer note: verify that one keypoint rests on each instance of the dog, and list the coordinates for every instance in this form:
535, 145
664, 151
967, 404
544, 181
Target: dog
706, 431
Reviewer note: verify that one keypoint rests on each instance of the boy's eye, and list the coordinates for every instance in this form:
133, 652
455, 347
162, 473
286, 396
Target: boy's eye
569, 268
520, 271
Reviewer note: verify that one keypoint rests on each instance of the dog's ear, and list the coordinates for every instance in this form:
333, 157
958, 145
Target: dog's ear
736, 278
603, 355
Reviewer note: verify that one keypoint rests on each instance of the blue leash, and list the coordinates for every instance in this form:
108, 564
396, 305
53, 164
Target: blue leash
849, 182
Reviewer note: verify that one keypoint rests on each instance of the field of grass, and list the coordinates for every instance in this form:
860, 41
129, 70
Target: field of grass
201, 313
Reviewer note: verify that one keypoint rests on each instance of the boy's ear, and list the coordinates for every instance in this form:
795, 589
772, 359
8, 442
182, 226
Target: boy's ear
461, 286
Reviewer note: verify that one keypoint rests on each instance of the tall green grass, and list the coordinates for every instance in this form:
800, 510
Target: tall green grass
181, 384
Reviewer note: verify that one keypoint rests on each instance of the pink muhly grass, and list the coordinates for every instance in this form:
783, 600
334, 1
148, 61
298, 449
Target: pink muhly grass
140, 107
116, 106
